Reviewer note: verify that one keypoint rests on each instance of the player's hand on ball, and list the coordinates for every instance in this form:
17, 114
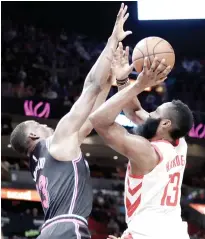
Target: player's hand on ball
155, 75
120, 65
118, 31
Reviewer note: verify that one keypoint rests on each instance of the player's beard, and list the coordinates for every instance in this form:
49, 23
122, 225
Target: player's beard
148, 129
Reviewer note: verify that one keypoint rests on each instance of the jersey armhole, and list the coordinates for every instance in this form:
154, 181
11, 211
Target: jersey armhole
160, 159
133, 175
158, 153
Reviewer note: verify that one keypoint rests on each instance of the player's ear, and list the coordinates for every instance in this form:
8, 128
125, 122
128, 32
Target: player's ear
33, 136
165, 123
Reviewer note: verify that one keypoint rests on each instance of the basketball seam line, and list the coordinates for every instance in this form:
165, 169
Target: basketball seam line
141, 52
157, 61
151, 54
162, 64
148, 53
156, 45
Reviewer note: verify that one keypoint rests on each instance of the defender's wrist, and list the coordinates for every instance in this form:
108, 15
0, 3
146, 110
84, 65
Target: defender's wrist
122, 82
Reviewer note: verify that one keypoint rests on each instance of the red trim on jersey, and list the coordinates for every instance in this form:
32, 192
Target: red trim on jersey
158, 152
176, 143
134, 175
132, 207
135, 189
161, 140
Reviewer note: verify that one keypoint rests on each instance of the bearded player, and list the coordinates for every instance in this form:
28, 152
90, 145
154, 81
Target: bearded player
58, 168
156, 152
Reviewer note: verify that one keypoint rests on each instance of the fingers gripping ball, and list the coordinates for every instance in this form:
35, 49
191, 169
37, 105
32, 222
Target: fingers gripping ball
152, 47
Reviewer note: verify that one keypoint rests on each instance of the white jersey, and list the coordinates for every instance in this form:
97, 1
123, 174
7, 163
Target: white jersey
152, 201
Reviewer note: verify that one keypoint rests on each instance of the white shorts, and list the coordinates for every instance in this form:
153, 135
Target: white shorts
181, 233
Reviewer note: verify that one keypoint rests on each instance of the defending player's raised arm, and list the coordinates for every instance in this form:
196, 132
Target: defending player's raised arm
94, 83
87, 127
101, 68
116, 136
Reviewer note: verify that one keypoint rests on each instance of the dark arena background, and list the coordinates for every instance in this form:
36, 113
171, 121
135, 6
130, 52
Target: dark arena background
47, 50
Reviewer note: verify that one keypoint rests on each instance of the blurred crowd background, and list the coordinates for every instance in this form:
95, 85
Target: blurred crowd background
47, 51
52, 65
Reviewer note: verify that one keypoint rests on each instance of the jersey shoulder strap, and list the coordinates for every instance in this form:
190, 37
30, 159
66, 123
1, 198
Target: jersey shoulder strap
164, 149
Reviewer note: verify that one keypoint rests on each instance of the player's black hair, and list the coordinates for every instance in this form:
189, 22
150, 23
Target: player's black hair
182, 119
18, 138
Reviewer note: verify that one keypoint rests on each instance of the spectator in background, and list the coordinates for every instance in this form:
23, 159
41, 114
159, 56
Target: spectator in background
19, 90
7, 89
35, 213
22, 75
51, 94
191, 66
31, 55
67, 102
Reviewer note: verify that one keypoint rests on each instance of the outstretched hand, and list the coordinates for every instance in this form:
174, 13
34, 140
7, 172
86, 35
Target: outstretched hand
118, 31
154, 75
120, 65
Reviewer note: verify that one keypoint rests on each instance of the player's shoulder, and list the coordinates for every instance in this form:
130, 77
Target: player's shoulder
162, 144
165, 147
182, 142
63, 151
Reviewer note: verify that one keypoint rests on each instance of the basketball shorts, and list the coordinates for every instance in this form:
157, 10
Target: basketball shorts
64, 229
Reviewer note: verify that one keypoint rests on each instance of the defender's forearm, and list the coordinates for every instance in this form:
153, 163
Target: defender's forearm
101, 69
102, 96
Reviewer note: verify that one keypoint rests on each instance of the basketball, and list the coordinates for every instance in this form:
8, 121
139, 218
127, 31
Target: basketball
152, 47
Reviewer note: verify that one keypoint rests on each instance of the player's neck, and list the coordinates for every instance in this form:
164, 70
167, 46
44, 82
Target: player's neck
163, 137
32, 147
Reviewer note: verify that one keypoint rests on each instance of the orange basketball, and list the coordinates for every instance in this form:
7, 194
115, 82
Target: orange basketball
152, 47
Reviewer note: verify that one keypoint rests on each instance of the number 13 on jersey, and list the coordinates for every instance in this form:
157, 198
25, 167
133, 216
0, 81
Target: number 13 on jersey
171, 198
